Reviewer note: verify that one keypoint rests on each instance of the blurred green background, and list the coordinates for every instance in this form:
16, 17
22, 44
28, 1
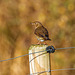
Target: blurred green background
16, 33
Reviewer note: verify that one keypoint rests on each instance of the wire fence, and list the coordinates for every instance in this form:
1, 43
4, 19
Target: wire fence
45, 51
48, 51
36, 52
53, 70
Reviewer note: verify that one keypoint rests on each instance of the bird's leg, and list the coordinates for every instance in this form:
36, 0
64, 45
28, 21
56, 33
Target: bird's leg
39, 43
45, 43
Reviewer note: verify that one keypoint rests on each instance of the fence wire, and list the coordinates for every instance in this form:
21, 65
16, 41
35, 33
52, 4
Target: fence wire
45, 51
35, 52
50, 63
53, 70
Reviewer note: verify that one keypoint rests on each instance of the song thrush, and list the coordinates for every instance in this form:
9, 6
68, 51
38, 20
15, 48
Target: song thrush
40, 32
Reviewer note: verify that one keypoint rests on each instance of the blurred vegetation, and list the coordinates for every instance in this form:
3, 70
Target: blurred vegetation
16, 33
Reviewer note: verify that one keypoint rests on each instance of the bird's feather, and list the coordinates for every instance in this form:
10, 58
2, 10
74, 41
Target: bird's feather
42, 32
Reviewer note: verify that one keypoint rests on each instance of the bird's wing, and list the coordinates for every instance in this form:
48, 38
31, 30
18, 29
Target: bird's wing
42, 32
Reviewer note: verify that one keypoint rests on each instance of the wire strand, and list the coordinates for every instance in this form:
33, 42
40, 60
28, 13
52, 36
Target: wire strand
34, 53
21, 56
65, 48
53, 70
63, 69
36, 57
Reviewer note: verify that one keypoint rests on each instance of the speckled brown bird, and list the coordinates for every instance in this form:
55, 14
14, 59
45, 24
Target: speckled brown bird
40, 32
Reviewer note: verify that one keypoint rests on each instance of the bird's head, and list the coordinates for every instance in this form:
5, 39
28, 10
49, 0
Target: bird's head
36, 24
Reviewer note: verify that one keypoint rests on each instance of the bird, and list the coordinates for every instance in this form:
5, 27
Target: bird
40, 32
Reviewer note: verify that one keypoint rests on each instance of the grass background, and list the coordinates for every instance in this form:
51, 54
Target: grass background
16, 33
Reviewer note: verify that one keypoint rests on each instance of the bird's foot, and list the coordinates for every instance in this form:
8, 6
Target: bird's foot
38, 43
45, 43
41, 43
